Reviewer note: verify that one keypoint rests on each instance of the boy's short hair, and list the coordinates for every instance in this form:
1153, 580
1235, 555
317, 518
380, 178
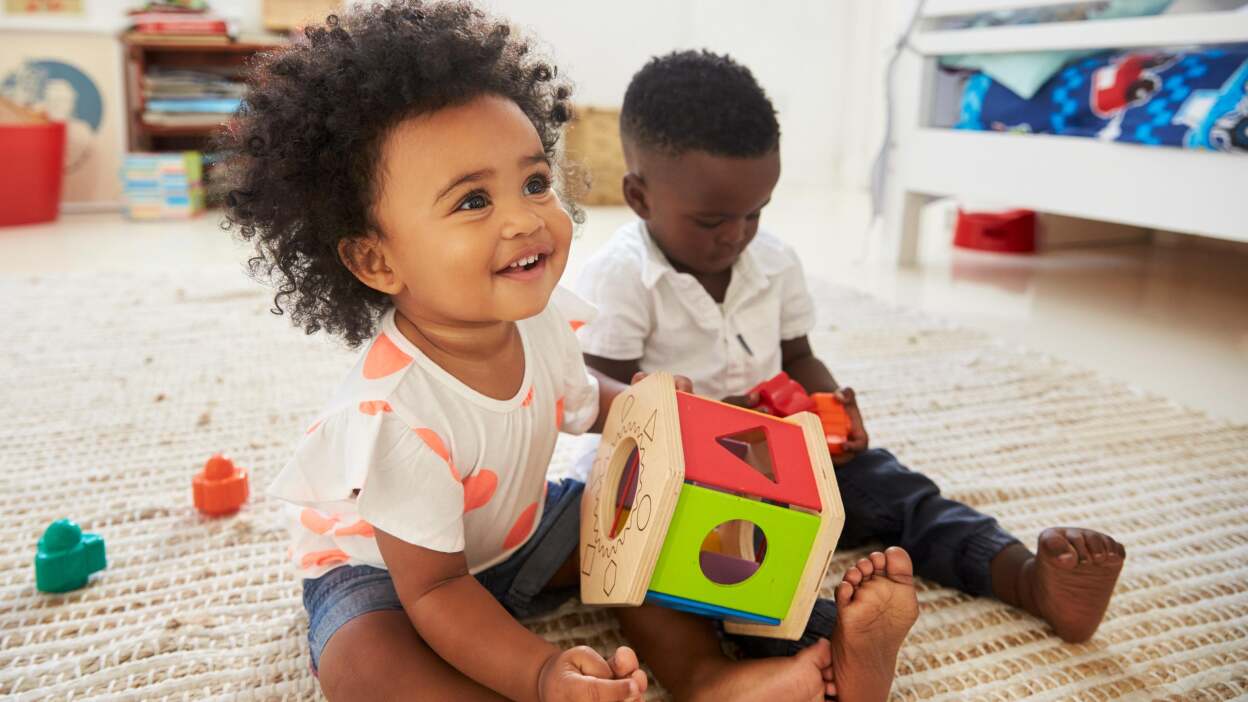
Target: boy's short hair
304, 151
698, 101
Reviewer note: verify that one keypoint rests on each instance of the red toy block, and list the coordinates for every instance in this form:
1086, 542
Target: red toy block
835, 420
220, 488
782, 396
710, 462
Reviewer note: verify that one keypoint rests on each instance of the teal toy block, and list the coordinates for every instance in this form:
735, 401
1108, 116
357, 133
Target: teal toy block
682, 568
66, 557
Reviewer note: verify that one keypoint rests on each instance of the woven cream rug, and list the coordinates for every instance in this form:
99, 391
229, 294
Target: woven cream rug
116, 389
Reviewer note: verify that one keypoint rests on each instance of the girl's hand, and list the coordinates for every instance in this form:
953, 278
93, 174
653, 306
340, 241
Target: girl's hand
683, 384
857, 441
581, 675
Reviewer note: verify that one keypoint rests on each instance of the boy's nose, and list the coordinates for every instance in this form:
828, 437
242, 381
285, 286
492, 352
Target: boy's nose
734, 233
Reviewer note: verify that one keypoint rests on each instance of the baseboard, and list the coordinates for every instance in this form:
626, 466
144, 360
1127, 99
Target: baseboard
89, 207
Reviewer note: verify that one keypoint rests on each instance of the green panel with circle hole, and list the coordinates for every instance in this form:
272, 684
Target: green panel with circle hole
765, 588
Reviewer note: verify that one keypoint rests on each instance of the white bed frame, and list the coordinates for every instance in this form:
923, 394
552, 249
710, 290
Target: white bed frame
1173, 189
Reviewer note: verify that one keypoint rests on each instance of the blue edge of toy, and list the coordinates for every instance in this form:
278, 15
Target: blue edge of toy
707, 610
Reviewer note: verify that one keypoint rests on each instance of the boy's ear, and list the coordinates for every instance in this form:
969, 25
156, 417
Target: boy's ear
366, 259
635, 195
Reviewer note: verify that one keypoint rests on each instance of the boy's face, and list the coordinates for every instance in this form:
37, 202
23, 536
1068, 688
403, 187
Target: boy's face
472, 230
701, 209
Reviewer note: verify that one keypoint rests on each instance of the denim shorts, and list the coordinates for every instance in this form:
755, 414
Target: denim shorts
518, 583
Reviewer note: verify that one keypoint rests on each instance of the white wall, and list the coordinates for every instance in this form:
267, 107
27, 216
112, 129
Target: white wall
820, 61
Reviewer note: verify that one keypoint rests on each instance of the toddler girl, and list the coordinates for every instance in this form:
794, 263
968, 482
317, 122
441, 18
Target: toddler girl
397, 174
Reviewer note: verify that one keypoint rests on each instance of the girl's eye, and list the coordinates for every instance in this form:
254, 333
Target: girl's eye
708, 224
474, 201
537, 185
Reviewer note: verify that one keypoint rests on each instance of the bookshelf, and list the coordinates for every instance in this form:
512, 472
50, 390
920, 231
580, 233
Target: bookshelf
145, 53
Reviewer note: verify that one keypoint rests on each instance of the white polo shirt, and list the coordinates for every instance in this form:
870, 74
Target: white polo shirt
666, 319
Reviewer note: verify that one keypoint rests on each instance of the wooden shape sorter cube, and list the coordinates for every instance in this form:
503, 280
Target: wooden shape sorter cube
709, 508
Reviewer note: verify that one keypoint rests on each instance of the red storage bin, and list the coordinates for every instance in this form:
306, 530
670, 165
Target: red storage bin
1012, 231
31, 168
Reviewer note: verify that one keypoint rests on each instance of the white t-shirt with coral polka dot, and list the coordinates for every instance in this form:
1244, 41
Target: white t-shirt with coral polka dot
407, 448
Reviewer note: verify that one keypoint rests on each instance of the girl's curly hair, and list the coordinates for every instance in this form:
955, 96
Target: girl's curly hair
305, 149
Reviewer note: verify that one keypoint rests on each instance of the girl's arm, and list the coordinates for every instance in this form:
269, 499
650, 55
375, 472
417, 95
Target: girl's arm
469, 629
622, 371
609, 387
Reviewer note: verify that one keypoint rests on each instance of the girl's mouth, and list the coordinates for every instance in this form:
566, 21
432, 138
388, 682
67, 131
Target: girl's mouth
526, 268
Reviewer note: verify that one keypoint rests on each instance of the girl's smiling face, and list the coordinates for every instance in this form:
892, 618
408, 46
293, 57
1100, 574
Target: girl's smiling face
471, 228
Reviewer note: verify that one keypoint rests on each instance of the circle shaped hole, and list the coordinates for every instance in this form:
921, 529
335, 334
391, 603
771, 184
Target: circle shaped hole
623, 475
732, 552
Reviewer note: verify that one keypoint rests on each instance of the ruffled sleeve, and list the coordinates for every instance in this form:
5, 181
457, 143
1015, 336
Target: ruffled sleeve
399, 479
579, 408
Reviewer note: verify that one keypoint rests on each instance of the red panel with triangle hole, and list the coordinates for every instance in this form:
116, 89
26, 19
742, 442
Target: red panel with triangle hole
745, 452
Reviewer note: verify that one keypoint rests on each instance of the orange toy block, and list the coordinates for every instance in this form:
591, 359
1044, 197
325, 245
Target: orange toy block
220, 488
834, 418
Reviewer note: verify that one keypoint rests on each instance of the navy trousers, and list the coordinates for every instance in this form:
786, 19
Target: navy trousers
889, 504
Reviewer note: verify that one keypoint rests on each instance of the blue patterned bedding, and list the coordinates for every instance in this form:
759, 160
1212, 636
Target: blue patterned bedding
1195, 99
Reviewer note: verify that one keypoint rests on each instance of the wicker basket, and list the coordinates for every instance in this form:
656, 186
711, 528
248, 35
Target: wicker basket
593, 144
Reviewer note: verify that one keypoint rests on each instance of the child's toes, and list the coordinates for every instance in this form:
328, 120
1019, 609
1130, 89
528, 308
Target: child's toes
853, 576
878, 560
900, 568
866, 567
1098, 544
1077, 539
844, 592
1057, 548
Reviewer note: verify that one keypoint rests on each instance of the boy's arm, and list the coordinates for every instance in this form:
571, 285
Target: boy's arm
469, 629
799, 361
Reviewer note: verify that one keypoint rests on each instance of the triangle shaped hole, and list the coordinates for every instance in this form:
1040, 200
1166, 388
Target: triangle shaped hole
750, 447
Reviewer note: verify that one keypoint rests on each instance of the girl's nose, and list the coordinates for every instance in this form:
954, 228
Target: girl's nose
521, 221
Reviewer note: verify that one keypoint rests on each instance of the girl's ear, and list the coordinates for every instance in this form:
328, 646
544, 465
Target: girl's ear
365, 257
635, 195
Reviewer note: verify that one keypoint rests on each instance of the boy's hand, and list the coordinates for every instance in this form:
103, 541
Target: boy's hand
748, 401
580, 674
683, 384
857, 441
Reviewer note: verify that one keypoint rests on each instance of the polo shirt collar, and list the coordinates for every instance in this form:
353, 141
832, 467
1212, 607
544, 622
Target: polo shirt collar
748, 272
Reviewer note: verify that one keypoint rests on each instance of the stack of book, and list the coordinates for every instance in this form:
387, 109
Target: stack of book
201, 98
178, 21
163, 186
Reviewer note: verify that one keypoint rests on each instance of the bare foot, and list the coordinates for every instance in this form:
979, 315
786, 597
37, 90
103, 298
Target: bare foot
1070, 580
799, 678
875, 608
